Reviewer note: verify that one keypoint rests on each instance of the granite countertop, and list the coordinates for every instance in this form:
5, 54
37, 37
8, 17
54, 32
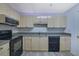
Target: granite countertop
2, 42
42, 30
43, 33
14, 35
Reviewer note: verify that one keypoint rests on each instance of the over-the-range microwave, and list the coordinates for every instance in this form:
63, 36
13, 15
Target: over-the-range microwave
7, 20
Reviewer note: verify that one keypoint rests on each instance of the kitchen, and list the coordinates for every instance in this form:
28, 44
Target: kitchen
34, 30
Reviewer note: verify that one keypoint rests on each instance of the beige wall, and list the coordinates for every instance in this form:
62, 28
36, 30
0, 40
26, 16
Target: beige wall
8, 11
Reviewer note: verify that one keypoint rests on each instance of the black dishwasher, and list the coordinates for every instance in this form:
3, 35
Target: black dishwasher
54, 43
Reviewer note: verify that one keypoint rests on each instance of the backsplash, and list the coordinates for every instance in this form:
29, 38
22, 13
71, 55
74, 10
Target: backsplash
40, 29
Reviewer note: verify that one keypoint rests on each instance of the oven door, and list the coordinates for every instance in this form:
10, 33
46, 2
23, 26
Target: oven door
16, 46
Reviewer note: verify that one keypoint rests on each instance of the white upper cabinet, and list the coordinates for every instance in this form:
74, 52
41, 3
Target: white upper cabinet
29, 22
61, 21
52, 21
57, 21
41, 20
26, 21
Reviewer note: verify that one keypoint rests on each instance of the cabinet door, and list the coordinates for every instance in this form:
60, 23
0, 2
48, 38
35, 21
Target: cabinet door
37, 20
68, 43
65, 43
30, 21
60, 21
26, 21
63, 22
22, 22
35, 44
57, 21
43, 43
51, 22
27, 43
41, 20
62, 44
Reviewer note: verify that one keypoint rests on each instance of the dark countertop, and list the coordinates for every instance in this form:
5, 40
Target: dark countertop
44, 33
15, 35
32, 33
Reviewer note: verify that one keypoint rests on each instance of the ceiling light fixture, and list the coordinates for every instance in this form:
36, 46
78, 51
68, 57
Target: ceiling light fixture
44, 17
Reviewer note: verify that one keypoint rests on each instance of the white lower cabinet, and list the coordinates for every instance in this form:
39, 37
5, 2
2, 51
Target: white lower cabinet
65, 43
39, 43
43, 43
62, 44
35, 44
4, 50
27, 43
57, 21
68, 43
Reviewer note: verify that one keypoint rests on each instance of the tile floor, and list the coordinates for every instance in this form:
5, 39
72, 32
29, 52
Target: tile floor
46, 53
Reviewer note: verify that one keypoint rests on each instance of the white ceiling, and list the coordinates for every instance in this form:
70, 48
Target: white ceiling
41, 8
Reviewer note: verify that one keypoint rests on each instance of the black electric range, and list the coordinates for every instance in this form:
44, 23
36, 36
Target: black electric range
15, 44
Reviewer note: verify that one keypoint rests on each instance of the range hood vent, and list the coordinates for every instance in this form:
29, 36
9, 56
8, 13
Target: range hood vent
40, 25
